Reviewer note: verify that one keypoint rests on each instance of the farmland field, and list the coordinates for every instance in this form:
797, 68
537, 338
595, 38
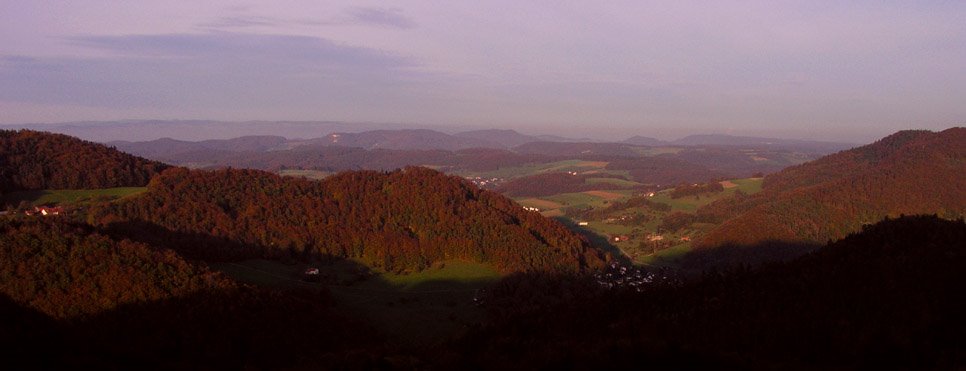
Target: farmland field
614, 181
601, 229
310, 174
604, 194
69, 196
541, 168
540, 204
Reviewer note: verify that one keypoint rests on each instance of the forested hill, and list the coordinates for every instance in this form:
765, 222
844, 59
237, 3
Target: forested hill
75, 297
65, 270
403, 220
31, 160
910, 172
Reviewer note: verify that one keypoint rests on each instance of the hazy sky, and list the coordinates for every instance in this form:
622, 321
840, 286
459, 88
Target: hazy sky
849, 70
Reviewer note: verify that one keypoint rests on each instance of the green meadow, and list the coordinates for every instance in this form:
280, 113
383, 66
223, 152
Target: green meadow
69, 196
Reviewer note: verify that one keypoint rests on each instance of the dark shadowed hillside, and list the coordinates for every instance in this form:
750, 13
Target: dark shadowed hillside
71, 296
403, 220
883, 298
65, 270
913, 172
31, 160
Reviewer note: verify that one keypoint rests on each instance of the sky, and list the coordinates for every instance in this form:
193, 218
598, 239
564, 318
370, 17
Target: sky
828, 70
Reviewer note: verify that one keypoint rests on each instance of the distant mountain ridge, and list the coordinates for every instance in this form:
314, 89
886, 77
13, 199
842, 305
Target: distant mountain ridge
646, 141
504, 138
730, 140
167, 146
404, 139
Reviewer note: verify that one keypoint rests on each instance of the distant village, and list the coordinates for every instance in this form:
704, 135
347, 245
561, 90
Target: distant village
39, 211
485, 183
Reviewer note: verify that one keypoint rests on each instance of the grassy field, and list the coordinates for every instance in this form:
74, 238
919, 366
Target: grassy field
579, 199
540, 204
654, 151
418, 309
69, 196
533, 169
311, 174
666, 257
692, 203
614, 181
602, 232
749, 185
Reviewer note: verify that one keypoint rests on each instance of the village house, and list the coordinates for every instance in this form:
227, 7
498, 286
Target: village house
686, 238
621, 238
656, 237
44, 210
312, 272
582, 223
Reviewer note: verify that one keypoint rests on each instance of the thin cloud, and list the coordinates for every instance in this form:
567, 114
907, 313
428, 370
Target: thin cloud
241, 22
378, 17
244, 46
217, 70
392, 17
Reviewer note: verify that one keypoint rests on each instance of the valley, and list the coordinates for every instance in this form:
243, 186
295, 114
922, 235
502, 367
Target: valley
429, 265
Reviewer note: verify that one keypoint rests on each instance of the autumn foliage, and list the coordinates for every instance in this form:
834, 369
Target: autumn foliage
31, 160
66, 270
910, 172
403, 220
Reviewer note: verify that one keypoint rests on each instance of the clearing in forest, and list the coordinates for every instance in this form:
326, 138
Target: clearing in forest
605, 194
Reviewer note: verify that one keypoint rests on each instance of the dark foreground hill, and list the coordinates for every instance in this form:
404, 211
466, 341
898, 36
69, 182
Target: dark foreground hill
66, 270
31, 160
403, 220
910, 172
888, 297
73, 297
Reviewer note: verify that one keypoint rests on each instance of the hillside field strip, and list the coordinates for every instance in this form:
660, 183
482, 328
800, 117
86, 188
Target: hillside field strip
70, 196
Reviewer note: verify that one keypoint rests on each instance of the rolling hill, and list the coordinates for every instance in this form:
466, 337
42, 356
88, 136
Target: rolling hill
638, 140
506, 138
910, 172
739, 141
167, 147
65, 270
420, 139
403, 220
31, 160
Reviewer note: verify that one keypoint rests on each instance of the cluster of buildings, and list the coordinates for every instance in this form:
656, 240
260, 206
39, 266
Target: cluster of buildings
44, 211
529, 208
619, 276
484, 182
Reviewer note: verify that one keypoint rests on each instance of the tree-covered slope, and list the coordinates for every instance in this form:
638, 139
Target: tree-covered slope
31, 160
912, 172
400, 221
65, 270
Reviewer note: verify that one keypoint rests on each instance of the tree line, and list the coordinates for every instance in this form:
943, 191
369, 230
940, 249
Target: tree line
404, 220
31, 160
